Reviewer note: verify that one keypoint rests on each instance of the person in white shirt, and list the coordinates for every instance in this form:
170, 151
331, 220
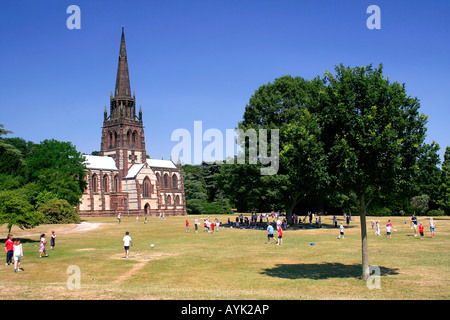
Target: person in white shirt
377, 228
388, 230
18, 254
341, 231
127, 242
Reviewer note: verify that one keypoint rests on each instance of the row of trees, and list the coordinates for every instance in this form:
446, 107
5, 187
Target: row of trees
39, 183
348, 142
221, 187
349, 137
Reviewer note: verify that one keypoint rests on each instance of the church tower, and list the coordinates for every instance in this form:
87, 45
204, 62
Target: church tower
123, 131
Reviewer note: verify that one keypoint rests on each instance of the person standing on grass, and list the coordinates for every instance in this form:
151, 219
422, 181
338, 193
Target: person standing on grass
9, 249
389, 229
335, 221
118, 217
187, 225
127, 242
421, 230
52, 240
42, 246
341, 231
377, 228
196, 225
432, 226
414, 224
217, 225
212, 226
269, 232
18, 254
280, 236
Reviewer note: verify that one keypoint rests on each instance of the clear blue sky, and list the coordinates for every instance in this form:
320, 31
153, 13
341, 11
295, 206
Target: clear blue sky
202, 60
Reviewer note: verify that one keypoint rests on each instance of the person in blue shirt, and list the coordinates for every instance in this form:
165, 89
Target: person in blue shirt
270, 232
414, 224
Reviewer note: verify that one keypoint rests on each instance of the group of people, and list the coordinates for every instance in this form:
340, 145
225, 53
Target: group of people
413, 224
271, 231
14, 250
208, 224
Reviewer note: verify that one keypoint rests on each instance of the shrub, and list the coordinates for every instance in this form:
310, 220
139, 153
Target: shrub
58, 211
436, 213
385, 212
213, 208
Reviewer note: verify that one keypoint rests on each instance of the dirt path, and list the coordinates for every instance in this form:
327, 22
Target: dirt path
136, 268
83, 226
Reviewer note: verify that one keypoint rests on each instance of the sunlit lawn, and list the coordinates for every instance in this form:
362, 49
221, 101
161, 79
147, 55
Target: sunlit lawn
229, 264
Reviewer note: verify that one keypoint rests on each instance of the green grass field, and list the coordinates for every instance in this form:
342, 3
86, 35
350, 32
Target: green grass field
229, 264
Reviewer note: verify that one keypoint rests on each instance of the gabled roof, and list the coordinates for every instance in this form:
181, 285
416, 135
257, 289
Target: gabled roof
134, 170
161, 163
100, 162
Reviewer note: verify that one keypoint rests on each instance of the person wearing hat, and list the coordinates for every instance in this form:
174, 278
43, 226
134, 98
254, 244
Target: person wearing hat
52, 240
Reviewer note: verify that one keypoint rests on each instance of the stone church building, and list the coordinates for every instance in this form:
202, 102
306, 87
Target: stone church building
123, 179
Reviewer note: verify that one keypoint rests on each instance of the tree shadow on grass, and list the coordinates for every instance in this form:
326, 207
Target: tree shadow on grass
318, 271
22, 240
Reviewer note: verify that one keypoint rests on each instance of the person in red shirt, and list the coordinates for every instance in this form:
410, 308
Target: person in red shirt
9, 249
421, 230
187, 226
280, 236
212, 227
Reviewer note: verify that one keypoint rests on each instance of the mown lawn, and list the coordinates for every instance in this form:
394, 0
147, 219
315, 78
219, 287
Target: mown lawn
229, 264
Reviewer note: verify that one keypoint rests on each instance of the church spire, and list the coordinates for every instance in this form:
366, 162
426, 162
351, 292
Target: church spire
123, 79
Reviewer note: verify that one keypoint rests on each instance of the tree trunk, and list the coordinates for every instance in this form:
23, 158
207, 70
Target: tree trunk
364, 246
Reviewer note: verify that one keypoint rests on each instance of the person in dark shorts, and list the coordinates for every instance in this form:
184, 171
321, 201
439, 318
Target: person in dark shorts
127, 242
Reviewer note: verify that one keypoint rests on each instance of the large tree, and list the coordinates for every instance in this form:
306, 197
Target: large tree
373, 135
444, 183
283, 106
58, 167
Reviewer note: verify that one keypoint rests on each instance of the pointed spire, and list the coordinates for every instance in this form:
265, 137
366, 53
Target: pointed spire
123, 79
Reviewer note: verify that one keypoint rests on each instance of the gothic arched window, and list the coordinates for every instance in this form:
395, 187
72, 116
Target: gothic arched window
166, 181
94, 186
105, 184
147, 188
174, 181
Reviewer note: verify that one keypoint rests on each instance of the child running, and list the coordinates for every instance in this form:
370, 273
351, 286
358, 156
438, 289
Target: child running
341, 231
377, 228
